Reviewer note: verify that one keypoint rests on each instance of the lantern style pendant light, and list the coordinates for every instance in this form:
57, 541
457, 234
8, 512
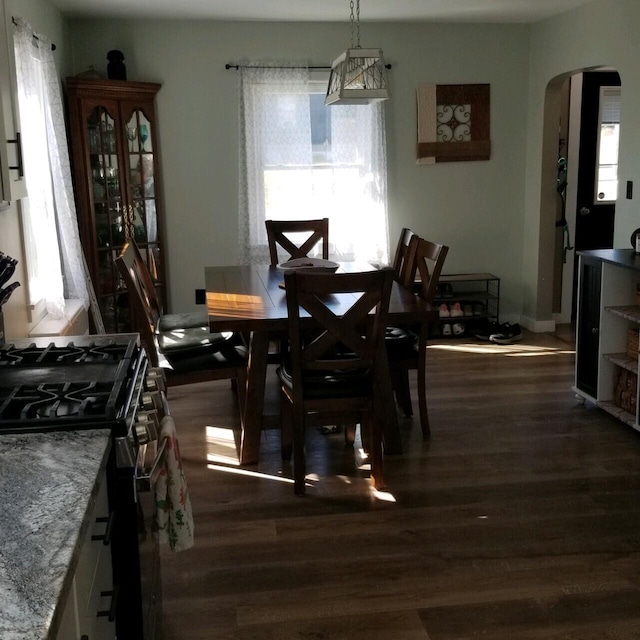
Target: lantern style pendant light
358, 76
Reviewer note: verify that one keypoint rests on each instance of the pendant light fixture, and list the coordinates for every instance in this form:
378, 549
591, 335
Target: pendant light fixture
358, 76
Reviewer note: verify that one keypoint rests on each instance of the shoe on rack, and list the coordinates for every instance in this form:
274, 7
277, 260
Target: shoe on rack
467, 309
446, 329
507, 334
456, 310
486, 329
478, 309
458, 328
446, 291
444, 311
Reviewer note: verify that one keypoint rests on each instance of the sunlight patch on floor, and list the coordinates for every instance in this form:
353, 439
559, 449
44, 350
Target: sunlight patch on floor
251, 474
519, 350
221, 446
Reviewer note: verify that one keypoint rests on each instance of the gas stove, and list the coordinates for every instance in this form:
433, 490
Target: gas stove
89, 382
69, 383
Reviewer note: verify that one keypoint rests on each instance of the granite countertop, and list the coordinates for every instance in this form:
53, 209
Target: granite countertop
48, 485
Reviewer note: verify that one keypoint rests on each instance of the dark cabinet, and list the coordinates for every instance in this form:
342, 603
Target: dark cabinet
588, 329
113, 136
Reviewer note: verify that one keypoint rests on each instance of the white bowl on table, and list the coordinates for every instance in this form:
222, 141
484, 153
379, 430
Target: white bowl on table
316, 265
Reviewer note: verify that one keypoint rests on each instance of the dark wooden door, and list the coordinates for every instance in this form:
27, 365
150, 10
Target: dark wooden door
594, 220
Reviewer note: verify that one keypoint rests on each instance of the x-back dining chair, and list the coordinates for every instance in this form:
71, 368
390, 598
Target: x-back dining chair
424, 263
400, 262
279, 232
334, 362
180, 343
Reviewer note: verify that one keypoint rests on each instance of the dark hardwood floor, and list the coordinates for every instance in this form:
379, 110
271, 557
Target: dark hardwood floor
518, 520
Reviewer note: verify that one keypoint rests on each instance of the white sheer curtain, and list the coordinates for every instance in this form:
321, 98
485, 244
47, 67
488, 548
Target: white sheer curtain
49, 216
300, 160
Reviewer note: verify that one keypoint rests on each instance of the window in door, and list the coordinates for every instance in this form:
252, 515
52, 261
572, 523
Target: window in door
608, 143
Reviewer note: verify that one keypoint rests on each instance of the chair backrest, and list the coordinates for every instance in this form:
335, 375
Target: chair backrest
142, 295
351, 341
425, 262
400, 262
278, 231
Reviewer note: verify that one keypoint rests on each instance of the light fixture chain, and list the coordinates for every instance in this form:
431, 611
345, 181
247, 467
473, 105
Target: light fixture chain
351, 5
358, 22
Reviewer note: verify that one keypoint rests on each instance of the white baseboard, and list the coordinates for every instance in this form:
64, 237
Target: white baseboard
538, 326
76, 322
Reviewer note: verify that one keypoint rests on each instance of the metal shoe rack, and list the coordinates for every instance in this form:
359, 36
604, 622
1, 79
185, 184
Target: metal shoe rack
481, 291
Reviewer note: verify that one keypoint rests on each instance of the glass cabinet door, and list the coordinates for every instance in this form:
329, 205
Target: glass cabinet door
105, 178
109, 211
142, 185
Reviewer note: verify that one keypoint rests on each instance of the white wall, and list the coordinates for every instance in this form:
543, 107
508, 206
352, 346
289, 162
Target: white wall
603, 33
474, 207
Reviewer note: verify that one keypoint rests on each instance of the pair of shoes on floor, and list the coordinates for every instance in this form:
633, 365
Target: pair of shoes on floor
507, 334
499, 333
455, 329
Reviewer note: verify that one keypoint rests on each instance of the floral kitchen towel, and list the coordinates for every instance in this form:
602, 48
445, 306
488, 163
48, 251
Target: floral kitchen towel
173, 516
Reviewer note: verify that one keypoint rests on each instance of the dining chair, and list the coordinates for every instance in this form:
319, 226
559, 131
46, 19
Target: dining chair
400, 262
399, 339
333, 368
279, 232
278, 235
180, 343
424, 265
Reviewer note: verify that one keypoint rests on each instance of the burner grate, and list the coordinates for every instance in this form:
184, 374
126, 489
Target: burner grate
54, 401
64, 354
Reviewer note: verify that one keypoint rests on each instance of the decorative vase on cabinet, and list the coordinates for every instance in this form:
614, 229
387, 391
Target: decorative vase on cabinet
113, 135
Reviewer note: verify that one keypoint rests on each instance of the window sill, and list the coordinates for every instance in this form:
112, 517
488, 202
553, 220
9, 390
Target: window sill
75, 324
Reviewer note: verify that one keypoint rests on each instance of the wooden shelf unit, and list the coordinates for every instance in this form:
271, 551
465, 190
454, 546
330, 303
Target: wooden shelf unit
607, 310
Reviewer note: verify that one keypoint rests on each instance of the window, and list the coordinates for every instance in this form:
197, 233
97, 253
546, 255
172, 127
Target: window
608, 142
52, 245
303, 160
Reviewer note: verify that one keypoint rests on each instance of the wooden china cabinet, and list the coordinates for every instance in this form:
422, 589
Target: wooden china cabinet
113, 136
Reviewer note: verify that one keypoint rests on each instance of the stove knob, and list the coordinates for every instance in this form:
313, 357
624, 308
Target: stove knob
146, 426
156, 379
151, 400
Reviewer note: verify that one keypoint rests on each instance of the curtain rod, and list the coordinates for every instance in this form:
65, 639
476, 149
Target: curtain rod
53, 46
237, 66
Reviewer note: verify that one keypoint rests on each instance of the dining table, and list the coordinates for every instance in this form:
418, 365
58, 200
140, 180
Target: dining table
252, 300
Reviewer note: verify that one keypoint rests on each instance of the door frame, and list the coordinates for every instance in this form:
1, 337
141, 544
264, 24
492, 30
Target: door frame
548, 204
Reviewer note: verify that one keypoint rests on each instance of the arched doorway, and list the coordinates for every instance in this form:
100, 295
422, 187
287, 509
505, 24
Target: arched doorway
576, 210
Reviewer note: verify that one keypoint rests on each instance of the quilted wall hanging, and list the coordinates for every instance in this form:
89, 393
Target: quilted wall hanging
453, 122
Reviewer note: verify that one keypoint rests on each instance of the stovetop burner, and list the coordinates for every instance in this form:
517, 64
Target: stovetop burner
68, 353
58, 400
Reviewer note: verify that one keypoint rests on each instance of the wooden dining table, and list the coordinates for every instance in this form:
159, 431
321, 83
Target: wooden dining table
252, 300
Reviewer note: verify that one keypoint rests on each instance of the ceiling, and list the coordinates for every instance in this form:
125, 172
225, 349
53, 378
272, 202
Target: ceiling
515, 11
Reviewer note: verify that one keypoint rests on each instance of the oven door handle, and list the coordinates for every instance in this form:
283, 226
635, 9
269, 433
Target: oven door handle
147, 477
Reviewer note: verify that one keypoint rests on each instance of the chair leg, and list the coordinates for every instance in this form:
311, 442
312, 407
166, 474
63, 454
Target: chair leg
240, 388
299, 462
349, 433
286, 428
375, 453
422, 384
400, 381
